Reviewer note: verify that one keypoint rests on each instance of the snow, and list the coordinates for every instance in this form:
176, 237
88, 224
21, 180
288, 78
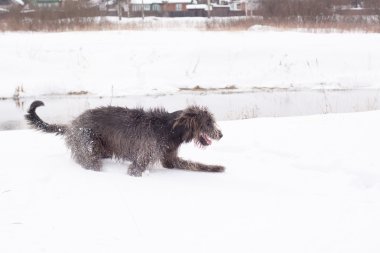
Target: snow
146, 1
180, 1
292, 184
149, 62
20, 2
198, 6
299, 184
160, 1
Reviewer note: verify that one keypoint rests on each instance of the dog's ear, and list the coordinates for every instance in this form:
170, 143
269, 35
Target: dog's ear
187, 119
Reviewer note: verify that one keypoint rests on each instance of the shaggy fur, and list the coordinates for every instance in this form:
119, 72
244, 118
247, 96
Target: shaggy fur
142, 137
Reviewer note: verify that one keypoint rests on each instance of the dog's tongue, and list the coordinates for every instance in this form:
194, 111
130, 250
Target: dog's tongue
208, 140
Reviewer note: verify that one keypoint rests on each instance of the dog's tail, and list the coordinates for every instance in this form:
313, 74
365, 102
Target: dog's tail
37, 123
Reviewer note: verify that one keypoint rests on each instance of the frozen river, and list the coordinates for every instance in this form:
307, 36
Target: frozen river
231, 106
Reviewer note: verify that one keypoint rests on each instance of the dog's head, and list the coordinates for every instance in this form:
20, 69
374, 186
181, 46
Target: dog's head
199, 125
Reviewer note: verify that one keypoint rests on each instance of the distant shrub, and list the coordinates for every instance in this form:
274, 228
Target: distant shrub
71, 16
295, 8
372, 4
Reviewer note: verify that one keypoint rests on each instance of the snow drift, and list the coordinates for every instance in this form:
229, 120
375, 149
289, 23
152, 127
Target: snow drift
129, 62
302, 184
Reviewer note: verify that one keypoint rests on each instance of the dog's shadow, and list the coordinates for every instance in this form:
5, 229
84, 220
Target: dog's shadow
121, 167
114, 166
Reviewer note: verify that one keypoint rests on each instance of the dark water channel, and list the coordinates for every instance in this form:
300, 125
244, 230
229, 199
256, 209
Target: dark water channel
263, 103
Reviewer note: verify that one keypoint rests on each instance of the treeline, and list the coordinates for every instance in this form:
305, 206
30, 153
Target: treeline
308, 14
314, 8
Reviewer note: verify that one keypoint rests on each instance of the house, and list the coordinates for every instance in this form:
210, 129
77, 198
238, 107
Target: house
46, 4
214, 8
176, 8
204, 10
166, 8
6, 5
111, 6
244, 5
197, 10
175, 5
145, 7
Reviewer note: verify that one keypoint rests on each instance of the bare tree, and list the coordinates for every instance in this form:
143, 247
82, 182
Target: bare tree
142, 9
373, 4
295, 8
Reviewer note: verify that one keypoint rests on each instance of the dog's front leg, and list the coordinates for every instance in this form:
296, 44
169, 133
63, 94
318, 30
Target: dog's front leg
135, 170
182, 164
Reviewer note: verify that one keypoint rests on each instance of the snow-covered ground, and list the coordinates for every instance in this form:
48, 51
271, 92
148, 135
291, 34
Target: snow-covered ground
141, 62
301, 184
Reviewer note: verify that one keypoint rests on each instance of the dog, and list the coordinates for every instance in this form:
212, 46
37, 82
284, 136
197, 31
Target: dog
143, 137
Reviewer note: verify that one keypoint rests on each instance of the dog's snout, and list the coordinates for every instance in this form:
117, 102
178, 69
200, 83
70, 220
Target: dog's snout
220, 134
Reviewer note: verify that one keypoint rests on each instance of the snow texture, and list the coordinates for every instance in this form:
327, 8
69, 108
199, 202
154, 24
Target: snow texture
140, 62
301, 184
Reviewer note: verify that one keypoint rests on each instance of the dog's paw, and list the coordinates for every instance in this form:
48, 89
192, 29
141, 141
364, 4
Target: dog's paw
134, 172
216, 168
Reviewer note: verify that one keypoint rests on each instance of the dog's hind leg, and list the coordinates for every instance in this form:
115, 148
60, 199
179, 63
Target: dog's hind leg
90, 163
86, 148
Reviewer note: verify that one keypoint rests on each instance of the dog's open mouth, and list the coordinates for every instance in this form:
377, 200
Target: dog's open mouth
204, 139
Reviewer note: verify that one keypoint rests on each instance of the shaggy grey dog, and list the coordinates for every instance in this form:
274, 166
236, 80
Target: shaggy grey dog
142, 137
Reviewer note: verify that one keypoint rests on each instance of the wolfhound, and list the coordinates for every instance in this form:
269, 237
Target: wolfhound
139, 136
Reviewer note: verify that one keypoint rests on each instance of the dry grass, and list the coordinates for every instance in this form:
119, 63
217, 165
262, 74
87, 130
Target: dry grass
327, 25
198, 88
292, 8
77, 93
90, 20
